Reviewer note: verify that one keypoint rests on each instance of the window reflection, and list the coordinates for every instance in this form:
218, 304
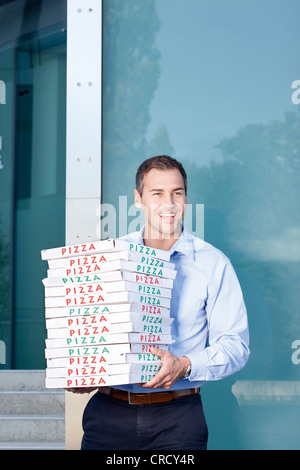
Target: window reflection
210, 84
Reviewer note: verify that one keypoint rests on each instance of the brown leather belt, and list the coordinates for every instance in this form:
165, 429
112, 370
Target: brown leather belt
147, 398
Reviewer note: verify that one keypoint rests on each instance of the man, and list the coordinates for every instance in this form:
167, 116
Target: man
210, 330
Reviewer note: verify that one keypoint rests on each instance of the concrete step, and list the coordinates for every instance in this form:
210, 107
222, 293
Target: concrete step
32, 402
31, 417
22, 380
31, 428
32, 445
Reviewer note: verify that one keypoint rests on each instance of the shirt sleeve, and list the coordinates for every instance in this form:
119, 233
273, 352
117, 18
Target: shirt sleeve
228, 336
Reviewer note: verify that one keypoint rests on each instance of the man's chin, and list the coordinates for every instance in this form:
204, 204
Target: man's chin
164, 232
170, 232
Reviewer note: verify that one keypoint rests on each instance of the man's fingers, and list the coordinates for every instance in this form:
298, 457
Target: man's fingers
156, 382
162, 378
156, 351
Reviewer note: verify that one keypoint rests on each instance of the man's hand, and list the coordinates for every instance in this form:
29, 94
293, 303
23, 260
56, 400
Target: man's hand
172, 369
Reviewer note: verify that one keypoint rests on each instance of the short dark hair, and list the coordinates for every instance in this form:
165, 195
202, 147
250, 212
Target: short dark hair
160, 162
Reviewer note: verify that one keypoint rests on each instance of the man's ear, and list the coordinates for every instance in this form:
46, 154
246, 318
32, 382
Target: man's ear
137, 199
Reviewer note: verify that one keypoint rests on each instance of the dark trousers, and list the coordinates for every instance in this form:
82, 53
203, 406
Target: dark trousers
113, 424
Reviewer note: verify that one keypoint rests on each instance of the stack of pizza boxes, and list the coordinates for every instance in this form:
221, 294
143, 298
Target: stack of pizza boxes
106, 303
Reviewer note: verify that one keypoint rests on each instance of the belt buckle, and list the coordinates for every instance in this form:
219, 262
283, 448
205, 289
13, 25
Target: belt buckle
129, 398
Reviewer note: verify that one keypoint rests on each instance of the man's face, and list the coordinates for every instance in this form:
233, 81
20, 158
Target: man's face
162, 201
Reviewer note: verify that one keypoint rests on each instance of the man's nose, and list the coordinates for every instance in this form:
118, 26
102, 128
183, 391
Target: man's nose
168, 199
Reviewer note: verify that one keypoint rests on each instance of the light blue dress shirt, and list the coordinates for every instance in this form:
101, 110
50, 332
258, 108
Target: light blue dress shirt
210, 320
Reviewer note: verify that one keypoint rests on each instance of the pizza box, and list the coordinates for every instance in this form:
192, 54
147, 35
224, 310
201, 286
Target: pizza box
100, 246
100, 381
107, 352
109, 276
143, 348
109, 318
101, 339
98, 298
98, 258
104, 351
126, 327
130, 358
102, 369
56, 362
107, 287
112, 266
56, 312
86, 279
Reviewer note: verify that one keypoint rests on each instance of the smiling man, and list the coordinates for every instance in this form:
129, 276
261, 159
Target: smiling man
162, 196
210, 330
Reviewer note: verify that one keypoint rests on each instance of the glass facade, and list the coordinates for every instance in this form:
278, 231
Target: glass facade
213, 83
39, 212
6, 196
32, 175
210, 82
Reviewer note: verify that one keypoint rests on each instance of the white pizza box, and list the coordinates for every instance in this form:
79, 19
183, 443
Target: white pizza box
78, 249
86, 279
112, 266
143, 348
107, 318
100, 381
130, 358
133, 358
148, 279
143, 338
126, 327
102, 246
104, 351
102, 369
86, 360
109, 276
115, 297
98, 258
56, 312
107, 287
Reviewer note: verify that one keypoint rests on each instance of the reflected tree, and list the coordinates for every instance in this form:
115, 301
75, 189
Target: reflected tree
130, 76
252, 213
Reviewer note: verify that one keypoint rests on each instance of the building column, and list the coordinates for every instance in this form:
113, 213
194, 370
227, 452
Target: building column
84, 144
